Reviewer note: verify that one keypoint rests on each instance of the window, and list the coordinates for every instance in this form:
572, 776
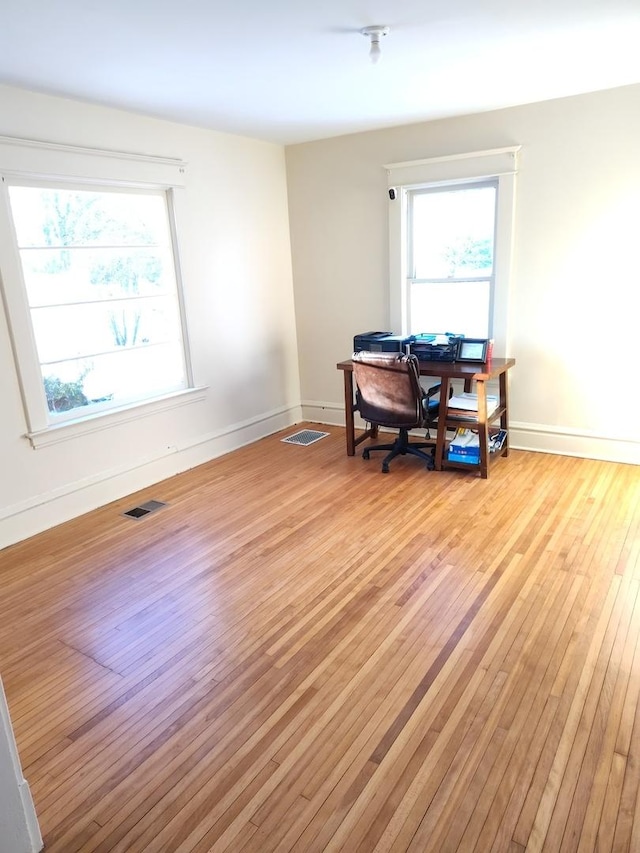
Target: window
450, 250
99, 277
450, 224
91, 285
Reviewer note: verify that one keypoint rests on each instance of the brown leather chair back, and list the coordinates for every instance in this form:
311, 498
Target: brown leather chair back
388, 389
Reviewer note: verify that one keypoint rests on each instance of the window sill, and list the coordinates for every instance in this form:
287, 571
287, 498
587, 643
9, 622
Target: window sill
70, 430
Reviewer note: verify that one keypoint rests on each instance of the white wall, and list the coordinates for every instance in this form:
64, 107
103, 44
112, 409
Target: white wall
574, 307
19, 831
236, 266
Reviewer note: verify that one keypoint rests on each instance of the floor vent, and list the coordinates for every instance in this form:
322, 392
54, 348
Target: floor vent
304, 437
144, 509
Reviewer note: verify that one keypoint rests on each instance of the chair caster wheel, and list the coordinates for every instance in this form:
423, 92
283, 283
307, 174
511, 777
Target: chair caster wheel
365, 454
385, 469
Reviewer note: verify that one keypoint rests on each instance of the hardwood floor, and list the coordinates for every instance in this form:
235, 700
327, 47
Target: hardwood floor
302, 654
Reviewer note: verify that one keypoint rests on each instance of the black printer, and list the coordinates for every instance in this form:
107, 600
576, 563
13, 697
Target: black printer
380, 342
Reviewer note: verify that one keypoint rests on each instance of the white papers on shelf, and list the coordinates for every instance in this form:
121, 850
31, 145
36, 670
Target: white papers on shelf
465, 438
469, 402
465, 406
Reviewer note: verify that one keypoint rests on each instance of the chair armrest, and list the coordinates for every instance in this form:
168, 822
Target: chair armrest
430, 405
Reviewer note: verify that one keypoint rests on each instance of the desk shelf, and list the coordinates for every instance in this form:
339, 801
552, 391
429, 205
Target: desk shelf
472, 423
492, 458
499, 416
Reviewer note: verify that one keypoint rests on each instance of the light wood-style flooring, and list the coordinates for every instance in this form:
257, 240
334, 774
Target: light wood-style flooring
302, 654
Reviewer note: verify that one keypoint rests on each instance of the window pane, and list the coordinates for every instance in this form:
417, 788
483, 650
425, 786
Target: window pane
453, 232
57, 276
70, 331
60, 217
457, 307
117, 378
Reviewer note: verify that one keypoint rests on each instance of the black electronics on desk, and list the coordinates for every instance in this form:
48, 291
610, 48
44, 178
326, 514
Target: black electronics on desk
435, 347
426, 346
380, 342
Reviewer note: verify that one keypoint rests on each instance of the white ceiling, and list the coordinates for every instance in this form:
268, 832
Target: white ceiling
295, 70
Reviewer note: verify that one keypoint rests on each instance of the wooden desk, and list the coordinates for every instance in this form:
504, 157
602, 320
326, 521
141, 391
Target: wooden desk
446, 371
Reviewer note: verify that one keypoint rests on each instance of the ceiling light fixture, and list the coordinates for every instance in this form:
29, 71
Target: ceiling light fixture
375, 33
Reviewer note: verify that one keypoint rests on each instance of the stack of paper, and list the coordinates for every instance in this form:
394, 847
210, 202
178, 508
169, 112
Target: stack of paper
465, 405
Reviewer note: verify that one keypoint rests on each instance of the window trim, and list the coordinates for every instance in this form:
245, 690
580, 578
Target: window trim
34, 161
495, 164
97, 421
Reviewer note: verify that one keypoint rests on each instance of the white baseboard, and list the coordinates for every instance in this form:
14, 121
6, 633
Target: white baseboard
327, 413
19, 521
572, 442
562, 441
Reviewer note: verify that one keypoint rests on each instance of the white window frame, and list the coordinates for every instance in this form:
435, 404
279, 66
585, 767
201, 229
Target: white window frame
34, 161
471, 168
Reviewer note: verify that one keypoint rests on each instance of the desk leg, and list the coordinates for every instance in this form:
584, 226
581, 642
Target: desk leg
483, 429
348, 413
504, 401
442, 422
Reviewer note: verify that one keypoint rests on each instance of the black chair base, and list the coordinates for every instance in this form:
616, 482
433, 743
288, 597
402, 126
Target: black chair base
403, 447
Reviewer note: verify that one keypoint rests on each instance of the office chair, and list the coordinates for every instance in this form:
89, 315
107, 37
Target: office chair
389, 394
